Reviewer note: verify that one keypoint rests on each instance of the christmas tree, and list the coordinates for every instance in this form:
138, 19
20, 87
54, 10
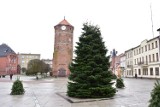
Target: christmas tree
155, 96
90, 75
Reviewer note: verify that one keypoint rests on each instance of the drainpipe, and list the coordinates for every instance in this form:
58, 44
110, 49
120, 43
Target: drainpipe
159, 42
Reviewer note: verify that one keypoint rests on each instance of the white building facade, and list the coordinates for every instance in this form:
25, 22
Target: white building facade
129, 63
24, 58
144, 59
123, 64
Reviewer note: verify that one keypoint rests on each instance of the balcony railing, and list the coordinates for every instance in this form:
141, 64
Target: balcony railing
142, 63
129, 66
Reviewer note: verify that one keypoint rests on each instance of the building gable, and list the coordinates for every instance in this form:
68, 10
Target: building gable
5, 50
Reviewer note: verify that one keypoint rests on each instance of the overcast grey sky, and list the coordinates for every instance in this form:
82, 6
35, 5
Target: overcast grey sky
27, 26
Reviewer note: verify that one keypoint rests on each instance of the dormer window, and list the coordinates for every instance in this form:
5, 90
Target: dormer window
6, 50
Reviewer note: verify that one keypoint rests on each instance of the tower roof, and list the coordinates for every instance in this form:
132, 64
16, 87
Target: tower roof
64, 22
5, 50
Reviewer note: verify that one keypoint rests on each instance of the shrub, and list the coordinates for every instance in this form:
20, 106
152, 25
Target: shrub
119, 83
17, 88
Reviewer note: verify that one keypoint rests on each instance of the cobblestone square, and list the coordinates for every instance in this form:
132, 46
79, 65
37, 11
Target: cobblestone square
43, 93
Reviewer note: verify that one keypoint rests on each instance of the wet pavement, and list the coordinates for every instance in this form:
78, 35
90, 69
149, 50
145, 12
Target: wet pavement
51, 92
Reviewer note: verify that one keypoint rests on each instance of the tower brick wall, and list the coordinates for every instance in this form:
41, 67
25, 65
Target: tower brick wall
63, 48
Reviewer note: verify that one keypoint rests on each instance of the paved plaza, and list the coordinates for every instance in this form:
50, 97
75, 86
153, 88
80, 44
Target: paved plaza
50, 92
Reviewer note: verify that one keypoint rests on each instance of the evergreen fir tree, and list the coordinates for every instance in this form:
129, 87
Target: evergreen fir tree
155, 96
17, 88
119, 83
90, 76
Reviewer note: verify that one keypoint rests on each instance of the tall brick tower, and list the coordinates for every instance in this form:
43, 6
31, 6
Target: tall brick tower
63, 48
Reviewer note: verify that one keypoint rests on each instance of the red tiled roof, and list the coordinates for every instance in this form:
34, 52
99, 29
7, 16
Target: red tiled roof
64, 22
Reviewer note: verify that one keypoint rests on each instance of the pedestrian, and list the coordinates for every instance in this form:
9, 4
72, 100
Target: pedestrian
11, 76
136, 76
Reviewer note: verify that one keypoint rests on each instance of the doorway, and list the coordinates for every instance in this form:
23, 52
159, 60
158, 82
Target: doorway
61, 72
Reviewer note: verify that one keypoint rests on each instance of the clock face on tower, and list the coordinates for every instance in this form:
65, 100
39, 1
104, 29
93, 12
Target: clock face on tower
63, 27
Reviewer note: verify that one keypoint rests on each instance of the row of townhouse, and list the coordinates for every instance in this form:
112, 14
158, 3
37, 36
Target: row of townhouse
9, 60
143, 60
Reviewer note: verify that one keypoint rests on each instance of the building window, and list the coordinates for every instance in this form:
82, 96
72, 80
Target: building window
151, 71
145, 71
153, 57
145, 47
131, 62
142, 49
14, 61
157, 58
139, 71
131, 54
135, 71
142, 59
156, 44
134, 52
139, 50
135, 61
146, 60
132, 72
148, 46
152, 45
149, 58
157, 70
